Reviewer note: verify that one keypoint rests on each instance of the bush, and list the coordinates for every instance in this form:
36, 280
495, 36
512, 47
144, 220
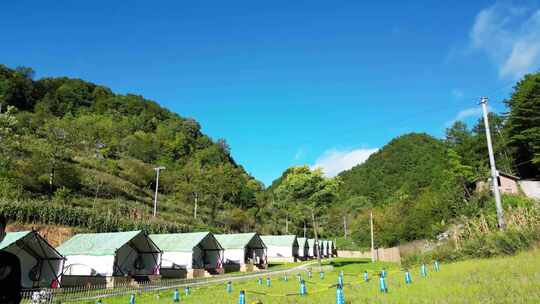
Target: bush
498, 243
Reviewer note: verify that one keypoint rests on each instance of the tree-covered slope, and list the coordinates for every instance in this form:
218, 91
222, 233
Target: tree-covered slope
68, 142
404, 166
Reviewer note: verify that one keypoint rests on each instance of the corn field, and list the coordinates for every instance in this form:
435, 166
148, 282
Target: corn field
45, 213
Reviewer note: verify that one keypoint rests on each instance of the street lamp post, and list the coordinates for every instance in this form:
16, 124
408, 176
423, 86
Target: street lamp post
157, 185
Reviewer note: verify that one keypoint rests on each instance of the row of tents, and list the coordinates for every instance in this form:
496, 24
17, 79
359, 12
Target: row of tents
121, 257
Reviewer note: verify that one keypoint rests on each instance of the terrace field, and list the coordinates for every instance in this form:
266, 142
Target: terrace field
513, 279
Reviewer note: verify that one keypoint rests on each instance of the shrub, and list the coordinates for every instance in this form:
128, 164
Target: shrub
482, 239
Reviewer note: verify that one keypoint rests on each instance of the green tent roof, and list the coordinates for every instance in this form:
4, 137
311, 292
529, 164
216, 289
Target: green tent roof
302, 242
278, 240
32, 242
184, 242
12, 237
96, 243
235, 241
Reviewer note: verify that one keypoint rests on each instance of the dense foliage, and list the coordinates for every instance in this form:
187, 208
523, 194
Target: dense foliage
70, 142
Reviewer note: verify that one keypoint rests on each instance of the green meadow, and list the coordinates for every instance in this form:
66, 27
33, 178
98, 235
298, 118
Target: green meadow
513, 279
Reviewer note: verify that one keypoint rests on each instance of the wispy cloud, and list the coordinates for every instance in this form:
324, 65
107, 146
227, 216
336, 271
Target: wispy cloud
510, 36
467, 113
334, 161
300, 153
457, 93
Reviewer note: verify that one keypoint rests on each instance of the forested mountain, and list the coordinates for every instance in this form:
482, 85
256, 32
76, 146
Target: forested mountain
68, 142
403, 167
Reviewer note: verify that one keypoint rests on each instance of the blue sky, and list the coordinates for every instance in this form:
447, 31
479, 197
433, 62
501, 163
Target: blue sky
287, 82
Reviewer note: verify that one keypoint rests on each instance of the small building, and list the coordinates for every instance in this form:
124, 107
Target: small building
110, 258
281, 248
508, 183
41, 264
190, 255
303, 248
242, 252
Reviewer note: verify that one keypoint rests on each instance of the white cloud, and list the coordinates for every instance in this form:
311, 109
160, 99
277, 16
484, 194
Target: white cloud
467, 113
510, 36
333, 161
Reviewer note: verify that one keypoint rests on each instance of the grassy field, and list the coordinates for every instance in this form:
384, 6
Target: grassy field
498, 280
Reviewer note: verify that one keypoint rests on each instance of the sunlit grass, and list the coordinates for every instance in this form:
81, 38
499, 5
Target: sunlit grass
498, 280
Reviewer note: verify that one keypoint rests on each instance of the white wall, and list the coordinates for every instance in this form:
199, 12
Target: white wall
234, 256
280, 251
83, 264
183, 259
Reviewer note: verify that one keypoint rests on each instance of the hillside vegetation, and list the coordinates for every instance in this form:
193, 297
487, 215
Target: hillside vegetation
76, 154
70, 143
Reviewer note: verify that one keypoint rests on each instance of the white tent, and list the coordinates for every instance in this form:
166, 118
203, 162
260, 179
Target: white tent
331, 248
41, 264
322, 248
303, 248
326, 248
312, 252
188, 251
123, 254
241, 249
281, 248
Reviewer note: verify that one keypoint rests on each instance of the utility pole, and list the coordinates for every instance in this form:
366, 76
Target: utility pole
196, 198
287, 223
372, 240
345, 227
305, 229
317, 246
157, 185
494, 173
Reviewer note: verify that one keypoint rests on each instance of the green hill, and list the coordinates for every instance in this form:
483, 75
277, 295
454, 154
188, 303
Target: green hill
403, 167
71, 143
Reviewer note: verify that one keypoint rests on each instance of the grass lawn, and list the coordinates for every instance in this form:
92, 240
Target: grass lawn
498, 280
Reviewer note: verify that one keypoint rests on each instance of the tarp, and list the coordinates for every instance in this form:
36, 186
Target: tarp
281, 246
129, 253
40, 263
197, 250
241, 248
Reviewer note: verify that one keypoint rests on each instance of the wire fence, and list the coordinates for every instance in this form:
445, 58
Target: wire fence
93, 293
